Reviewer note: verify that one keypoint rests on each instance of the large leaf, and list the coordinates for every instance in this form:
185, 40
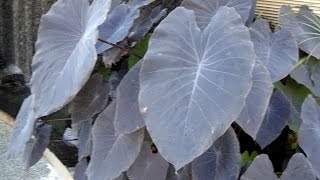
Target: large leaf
23, 128
37, 144
309, 133
111, 154
206, 9
221, 161
298, 168
261, 168
128, 117
308, 74
85, 140
80, 170
278, 52
65, 52
305, 26
148, 166
193, 84
257, 101
91, 100
275, 120
119, 23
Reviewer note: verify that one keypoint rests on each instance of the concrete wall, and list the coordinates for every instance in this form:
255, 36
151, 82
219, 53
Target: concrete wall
19, 21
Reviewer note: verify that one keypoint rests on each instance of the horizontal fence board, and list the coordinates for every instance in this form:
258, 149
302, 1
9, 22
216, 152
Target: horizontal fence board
269, 9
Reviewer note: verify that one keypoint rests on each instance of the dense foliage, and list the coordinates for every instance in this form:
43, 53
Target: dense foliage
208, 65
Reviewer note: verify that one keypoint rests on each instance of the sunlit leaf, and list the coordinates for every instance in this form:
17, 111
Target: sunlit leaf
305, 26
127, 117
298, 168
206, 9
70, 137
119, 22
275, 120
309, 133
221, 161
80, 170
193, 84
111, 155
148, 166
23, 128
91, 100
65, 52
277, 51
260, 169
257, 101
37, 144
308, 74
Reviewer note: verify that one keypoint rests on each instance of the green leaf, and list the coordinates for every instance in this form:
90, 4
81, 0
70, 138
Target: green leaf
140, 49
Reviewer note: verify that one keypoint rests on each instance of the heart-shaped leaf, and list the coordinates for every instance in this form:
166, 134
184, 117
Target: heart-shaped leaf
278, 52
257, 101
65, 52
111, 154
305, 26
309, 133
221, 161
193, 84
206, 9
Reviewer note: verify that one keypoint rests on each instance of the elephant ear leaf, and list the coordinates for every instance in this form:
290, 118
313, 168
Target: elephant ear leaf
261, 168
206, 9
278, 51
298, 168
305, 26
112, 154
257, 102
221, 161
193, 83
309, 133
65, 52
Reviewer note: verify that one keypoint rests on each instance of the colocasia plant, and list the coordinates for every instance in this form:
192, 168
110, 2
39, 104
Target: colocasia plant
208, 65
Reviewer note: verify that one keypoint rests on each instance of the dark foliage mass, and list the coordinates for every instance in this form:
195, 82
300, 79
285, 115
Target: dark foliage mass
192, 74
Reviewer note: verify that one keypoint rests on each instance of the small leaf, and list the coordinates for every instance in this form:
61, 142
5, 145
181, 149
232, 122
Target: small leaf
85, 140
308, 74
275, 120
206, 9
261, 168
305, 26
278, 52
221, 161
119, 22
127, 117
309, 133
91, 100
298, 168
140, 49
23, 129
65, 52
111, 154
148, 166
256, 105
37, 144
193, 84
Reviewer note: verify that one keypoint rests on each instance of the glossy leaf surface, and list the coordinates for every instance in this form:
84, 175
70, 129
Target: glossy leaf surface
275, 120
257, 102
65, 52
112, 155
309, 133
277, 51
187, 82
206, 9
221, 161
